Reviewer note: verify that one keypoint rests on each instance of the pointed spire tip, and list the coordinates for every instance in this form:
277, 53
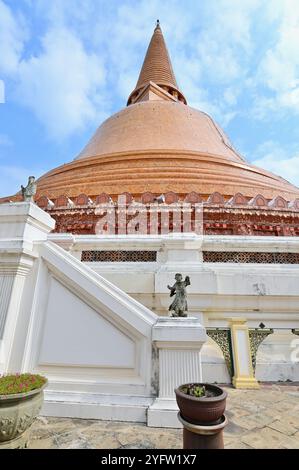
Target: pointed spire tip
157, 68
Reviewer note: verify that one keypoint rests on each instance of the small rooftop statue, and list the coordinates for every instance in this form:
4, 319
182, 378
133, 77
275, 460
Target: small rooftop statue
179, 305
30, 190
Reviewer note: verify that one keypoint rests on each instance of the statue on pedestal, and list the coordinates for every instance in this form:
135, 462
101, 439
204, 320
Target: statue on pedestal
29, 191
179, 305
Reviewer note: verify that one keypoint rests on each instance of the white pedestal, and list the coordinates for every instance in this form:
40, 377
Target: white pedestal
179, 341
21, 226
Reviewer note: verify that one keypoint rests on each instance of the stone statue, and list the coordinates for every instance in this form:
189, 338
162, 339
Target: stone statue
179, 305
30, 190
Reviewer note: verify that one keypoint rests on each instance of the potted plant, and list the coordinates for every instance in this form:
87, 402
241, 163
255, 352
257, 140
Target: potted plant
201, 403
21, 398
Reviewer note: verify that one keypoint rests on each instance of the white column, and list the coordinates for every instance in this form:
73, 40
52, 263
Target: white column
179, 341
22, 226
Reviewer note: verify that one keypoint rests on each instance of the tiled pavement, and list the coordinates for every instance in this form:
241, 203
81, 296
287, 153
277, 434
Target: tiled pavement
258, 419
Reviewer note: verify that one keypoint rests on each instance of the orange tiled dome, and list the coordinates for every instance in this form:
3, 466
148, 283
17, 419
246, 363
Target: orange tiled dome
159, 144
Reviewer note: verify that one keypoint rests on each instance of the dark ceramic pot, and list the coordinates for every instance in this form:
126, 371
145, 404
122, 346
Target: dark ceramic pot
204, 410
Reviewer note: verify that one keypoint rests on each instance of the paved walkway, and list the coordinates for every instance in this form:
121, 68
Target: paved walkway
258, 419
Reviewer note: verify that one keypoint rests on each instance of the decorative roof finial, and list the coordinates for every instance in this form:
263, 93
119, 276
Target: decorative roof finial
157, 68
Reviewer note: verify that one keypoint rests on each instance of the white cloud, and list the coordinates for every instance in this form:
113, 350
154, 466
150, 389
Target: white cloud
12, 36
61, 85
279, 68
225, 42
209, 42
230, 95
213, 44
272, 157
64, 83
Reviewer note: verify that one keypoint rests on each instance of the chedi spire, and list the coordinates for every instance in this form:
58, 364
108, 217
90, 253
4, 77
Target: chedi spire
157, 70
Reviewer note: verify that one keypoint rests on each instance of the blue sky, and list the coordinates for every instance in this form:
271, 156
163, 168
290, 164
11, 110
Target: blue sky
66, 65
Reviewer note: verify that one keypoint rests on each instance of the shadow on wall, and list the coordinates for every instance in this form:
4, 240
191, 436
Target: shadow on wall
214, 369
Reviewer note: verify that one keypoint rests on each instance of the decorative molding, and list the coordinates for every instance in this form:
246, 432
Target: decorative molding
208, 243
216, 198
6, 286
83, 200
222, 336
231, 215
250, 257
258, 201
237, 200
193, 198
119, 256
278, 202
256, 337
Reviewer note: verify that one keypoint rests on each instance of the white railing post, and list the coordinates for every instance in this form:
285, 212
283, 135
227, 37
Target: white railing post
179, 341
22, 225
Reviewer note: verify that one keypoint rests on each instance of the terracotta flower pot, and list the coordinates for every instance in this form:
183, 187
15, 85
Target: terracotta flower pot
203, 410
17, 413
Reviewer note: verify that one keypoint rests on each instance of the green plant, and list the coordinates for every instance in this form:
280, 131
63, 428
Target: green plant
20, 383
195, 390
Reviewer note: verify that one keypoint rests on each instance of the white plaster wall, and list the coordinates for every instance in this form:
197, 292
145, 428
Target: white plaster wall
130, 279
256, 292
278, 358
92, 341
273, 361
214, 369
76, 335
